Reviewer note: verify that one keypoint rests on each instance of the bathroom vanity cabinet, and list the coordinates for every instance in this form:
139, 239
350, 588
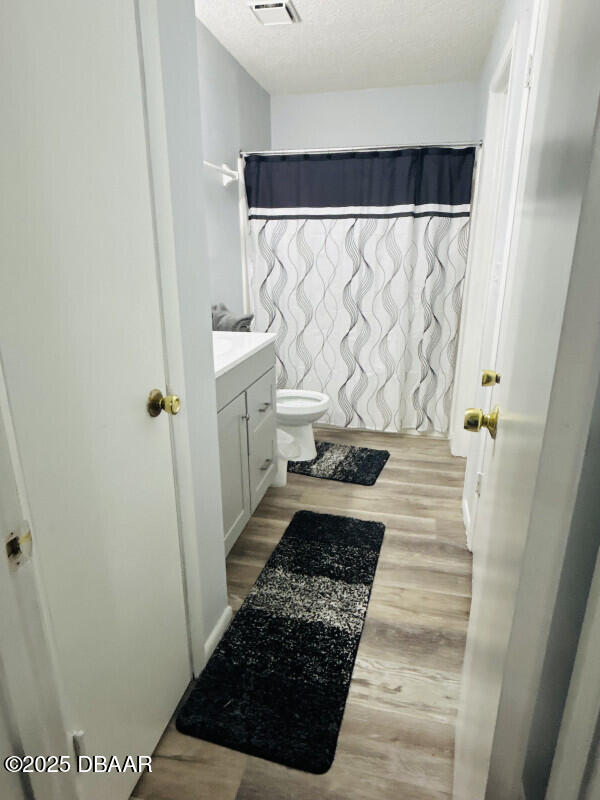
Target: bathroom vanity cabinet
245, 382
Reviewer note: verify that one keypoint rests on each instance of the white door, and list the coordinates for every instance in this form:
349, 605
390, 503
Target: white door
508, 101
233, 450
498, 186
556, 158
80, 339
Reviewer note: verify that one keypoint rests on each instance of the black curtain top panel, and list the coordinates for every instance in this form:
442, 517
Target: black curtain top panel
384, 179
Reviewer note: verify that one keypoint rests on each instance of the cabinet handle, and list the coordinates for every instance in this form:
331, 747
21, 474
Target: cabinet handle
245, 417
264, 407
265, 466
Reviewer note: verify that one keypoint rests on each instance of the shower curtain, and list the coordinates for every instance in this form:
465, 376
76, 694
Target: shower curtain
356, 261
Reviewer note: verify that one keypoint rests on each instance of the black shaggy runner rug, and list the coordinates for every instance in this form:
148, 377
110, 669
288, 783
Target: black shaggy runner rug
342, 462
277, 683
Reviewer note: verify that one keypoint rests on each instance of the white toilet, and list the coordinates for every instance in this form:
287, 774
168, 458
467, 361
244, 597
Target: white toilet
297, 409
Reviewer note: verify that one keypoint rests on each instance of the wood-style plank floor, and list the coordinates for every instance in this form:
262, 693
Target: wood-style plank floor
397, 737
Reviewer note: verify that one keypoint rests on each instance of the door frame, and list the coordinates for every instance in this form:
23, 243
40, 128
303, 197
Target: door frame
571, 393
575, 760
567, 432
157, 149
173, 132
31, 687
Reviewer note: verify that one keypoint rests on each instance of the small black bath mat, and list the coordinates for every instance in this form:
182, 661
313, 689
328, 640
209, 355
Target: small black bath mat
342, 462
277, 683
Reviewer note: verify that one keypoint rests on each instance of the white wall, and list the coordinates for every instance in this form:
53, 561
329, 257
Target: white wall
235, 116
577, 572
408, 114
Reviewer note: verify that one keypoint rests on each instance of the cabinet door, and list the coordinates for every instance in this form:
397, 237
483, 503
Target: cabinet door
233, 445
261, 435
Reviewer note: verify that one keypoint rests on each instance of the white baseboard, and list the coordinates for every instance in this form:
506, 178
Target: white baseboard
465, 514
459, 443
235, 533
219, 629
467, 522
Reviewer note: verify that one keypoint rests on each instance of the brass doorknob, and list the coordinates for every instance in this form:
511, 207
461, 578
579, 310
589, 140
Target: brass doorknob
157, 403
489, 377
475, 420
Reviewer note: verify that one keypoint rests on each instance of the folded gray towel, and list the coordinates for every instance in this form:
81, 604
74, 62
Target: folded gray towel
224, 320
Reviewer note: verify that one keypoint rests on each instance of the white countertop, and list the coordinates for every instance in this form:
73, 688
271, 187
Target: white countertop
230, 349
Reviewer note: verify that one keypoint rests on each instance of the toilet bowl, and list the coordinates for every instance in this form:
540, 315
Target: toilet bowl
297, 409
287, 450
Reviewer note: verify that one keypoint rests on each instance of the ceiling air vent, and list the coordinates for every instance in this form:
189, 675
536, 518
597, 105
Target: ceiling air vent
282, 13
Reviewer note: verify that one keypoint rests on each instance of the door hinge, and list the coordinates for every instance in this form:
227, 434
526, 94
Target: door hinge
18, 546
529, 71
478, 483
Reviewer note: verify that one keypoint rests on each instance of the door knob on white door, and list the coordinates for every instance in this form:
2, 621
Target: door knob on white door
476, 419
157, 403
489, 377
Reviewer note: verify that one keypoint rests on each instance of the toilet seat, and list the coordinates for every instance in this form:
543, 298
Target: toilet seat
300, 406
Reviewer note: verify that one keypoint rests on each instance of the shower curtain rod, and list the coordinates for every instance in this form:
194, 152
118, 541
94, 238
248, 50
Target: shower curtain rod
244, 153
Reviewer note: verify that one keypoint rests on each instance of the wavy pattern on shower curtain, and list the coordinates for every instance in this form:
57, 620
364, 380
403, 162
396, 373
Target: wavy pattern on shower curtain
381, 338
364, 298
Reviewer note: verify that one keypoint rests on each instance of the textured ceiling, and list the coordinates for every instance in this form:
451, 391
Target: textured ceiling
357, 44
